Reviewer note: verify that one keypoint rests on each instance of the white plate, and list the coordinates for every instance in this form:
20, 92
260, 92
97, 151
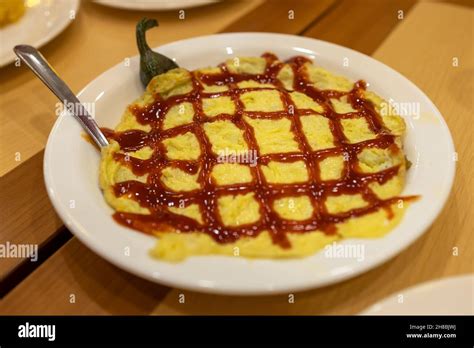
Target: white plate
154, 5
71, 173
40, 23
449, 296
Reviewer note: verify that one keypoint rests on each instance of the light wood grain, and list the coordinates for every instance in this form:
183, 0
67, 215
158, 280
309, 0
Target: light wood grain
283, 16
415, 53
361, 25
75, 281
26, 214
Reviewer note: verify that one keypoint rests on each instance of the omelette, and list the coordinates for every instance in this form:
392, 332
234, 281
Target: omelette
256, 157
11, 11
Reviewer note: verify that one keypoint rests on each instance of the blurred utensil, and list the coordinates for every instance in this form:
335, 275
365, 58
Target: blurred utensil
43, 70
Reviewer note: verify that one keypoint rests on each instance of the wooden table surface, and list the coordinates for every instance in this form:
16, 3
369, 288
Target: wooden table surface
419, 39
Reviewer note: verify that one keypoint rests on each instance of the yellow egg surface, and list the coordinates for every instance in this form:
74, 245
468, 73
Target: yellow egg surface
11, 11
241, 160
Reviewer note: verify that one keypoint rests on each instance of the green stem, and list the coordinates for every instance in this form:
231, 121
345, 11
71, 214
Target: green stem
142, 26
151, 63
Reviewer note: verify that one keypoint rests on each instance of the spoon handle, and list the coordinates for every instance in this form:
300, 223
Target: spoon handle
38, 64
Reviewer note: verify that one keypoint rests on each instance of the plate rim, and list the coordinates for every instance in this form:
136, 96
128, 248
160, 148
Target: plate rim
75, 6
124, 6
362, 268
419, 287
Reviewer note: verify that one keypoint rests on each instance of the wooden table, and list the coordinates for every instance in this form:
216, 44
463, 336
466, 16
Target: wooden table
421, 40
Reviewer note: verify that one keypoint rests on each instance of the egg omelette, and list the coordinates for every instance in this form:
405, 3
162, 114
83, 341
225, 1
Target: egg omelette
326, 161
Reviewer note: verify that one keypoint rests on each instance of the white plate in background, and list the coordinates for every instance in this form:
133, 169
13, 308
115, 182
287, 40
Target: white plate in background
154, 5
71, 173
448, 296
40, 23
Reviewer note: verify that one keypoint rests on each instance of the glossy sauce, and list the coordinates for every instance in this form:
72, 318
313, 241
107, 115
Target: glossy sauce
155, 196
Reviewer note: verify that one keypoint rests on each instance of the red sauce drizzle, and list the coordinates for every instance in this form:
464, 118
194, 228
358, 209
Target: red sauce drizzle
155, 196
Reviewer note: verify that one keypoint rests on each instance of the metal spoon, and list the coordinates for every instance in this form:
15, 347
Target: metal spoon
38, 64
